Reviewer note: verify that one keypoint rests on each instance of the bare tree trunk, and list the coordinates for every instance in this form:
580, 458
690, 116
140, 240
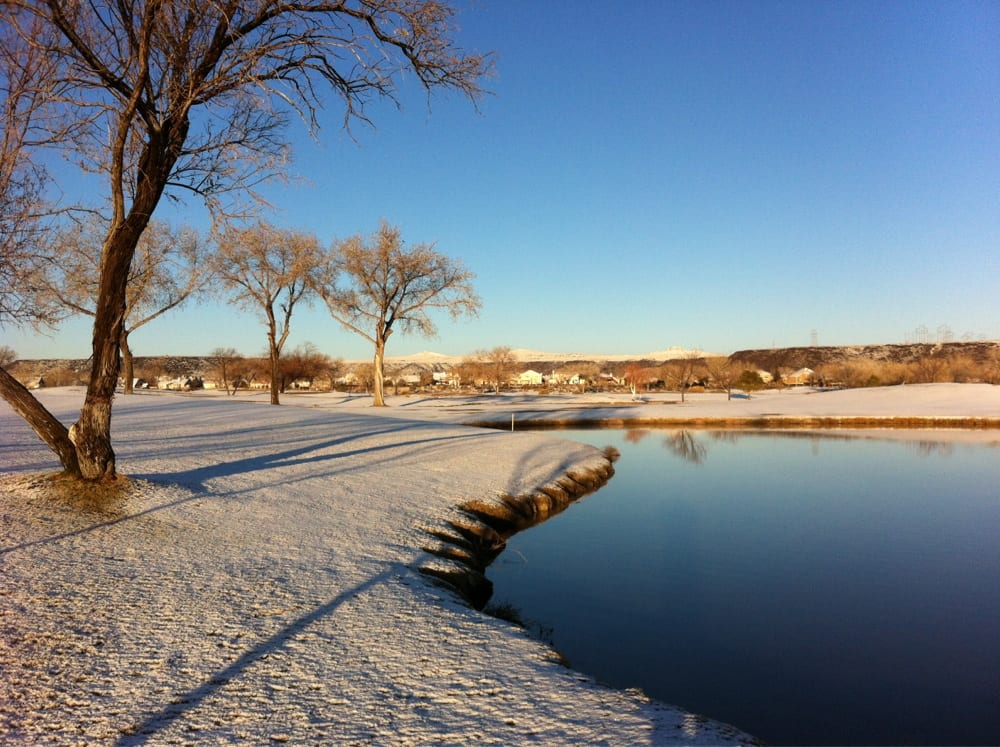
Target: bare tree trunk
379, 400
44, 423
275, 374
92, 432
128, 369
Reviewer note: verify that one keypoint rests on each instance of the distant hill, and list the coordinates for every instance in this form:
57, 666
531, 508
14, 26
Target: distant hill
770, 359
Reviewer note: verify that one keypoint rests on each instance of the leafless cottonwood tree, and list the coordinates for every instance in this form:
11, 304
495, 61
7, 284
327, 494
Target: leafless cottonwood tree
305, 363
7, 355
390, 287
500, 362
193, 96
269, 270
24, 70
724, 373
681, 371
168, 269
225, 361
22, 183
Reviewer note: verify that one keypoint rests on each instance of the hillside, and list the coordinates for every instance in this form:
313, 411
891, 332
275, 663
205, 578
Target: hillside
771, 359
984, 354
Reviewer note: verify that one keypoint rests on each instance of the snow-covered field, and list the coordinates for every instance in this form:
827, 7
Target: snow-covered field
261, 584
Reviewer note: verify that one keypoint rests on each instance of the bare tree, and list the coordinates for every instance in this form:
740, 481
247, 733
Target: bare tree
22, 182
7, 355
168, 270
724, 373
194, 96
634, 374
225, 361
333, 369
498, 363
682, 370
24, 70
393, 287
268, 269
304, 363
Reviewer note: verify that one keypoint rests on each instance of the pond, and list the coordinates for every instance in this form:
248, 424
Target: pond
806, 588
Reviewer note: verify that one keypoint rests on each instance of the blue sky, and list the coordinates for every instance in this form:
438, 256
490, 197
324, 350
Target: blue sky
714, 175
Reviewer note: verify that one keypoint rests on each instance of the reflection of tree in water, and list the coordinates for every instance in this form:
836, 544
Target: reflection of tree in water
729, 437
635, 435
686, 446
930, 448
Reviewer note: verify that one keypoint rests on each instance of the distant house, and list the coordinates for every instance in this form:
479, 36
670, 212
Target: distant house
799, 378
530, 378
410, 375
174, 383
447, 378
348, 379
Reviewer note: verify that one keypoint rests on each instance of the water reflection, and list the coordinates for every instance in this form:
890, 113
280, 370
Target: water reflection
809, 587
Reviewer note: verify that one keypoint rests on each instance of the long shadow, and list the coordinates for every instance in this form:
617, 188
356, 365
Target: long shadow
195, 479
190, 700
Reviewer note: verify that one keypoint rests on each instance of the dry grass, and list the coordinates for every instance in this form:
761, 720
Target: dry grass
107, 498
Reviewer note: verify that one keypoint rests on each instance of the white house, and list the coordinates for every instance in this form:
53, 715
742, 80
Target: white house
798, 378
447, 378
530, 378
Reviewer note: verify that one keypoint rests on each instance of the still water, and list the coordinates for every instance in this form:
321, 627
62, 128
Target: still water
809, 589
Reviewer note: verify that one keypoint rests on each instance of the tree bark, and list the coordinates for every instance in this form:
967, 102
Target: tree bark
92, 432
128, 369
379, 374
46, 426
275, 373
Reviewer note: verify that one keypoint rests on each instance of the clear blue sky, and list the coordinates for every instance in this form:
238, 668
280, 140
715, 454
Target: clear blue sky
715, 175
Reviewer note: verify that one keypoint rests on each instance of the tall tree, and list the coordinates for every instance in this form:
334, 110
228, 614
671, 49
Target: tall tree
269, 271
390, 287
499, 364
168, 269
24, 70
193, 96
22, 183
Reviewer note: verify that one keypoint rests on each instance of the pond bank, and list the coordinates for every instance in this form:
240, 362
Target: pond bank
262, 584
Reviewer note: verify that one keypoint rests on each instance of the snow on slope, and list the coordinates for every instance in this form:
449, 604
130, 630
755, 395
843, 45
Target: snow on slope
523, 354
261, 585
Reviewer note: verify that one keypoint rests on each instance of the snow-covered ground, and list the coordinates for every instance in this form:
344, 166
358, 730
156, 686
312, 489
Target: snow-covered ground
261, 583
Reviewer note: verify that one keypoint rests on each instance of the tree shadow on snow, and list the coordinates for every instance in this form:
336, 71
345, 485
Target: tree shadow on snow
182, 703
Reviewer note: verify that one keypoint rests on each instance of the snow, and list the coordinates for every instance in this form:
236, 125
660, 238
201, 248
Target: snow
524, 354
262, 580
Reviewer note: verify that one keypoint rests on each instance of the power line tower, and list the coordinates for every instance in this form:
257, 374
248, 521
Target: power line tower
813, 339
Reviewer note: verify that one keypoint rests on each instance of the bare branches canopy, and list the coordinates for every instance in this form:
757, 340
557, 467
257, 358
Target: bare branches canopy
269, 270
391, 286
193, 96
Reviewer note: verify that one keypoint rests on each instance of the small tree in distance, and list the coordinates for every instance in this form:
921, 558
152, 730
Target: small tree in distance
393, 287
498, 364
225, 361
268, 269
723, 373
